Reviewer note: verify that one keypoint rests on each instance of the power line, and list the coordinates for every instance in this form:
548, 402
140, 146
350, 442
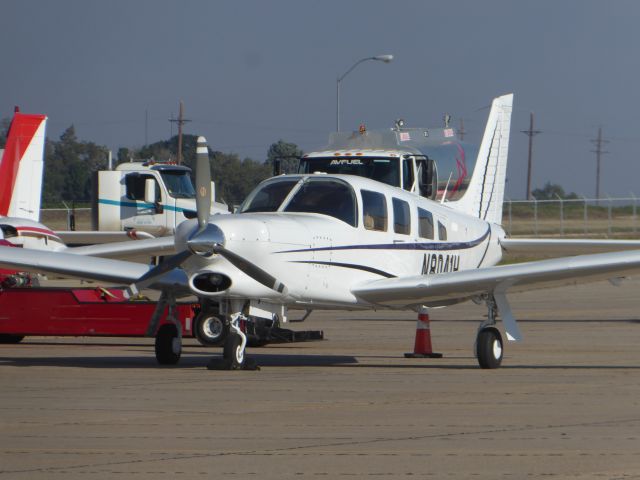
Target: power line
531, 133
180, 121
598, 142
461, 130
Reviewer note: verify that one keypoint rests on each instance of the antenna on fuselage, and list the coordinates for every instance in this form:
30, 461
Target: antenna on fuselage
446, 187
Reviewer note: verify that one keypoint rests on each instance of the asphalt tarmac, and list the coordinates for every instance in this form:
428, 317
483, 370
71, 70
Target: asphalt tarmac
565, 403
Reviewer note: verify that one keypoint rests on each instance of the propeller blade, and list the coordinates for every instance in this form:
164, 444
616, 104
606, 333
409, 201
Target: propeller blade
251, 269
165, 266
203, 183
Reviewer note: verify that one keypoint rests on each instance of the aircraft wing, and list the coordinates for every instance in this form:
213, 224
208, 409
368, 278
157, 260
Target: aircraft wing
147, 248
88, 268
446, 288
552, 247
90, 237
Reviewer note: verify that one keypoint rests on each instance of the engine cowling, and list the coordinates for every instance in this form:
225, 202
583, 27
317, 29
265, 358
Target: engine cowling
209, 283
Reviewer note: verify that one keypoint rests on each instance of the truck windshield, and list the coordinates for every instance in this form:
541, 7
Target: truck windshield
178, 184
382, 169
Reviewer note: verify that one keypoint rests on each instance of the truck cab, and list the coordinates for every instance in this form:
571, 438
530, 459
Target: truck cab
431, 163
146, 196
413, 172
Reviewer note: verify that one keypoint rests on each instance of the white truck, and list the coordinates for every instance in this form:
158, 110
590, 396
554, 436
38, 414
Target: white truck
146, 197
431, 162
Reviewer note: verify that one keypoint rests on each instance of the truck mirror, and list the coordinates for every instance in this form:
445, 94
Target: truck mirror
150, 195
150, 190
429, 179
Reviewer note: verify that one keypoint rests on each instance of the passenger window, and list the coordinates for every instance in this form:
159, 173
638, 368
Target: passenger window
327, 197
407, 174
425, 224
374, 211
134, 183
401, 217
442, 231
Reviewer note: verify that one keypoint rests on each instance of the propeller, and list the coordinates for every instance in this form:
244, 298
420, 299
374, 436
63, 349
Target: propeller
203, 183
208, 239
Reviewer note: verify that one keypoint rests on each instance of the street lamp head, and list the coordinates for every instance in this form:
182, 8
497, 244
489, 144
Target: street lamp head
384, 58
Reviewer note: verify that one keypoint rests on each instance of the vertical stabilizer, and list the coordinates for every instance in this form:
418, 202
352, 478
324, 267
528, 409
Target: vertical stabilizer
485, 194
21, 167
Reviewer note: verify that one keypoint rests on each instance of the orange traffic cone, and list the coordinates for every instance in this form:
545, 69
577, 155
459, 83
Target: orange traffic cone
422, 347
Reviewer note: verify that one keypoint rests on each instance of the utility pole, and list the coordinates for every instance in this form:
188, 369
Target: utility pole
531, 133
461, 130
598, 142
180, 121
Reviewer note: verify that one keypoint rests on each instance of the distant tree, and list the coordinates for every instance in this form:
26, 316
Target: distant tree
287, 153
124, 155
4, 129
552, 191
235, 178
69, 164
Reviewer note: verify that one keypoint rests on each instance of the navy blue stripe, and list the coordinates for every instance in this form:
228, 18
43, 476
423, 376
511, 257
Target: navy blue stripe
438, 246
349, 265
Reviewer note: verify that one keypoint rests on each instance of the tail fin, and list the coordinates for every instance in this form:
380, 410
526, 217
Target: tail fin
485, 193
21, 167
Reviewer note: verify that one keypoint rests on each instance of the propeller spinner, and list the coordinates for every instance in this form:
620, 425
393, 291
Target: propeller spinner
207, 239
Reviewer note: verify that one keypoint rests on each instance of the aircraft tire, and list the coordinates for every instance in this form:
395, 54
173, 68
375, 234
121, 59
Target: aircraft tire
209, 329
7, 338
490, 348
166, 353
232, 353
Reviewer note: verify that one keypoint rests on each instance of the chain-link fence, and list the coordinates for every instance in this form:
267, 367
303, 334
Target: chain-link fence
608, 217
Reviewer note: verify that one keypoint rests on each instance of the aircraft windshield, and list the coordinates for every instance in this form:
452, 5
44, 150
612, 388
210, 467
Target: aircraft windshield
327, 197
178, 184
268, 197
382, 169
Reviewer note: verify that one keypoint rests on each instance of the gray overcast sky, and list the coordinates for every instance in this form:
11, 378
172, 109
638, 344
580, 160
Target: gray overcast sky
251, 72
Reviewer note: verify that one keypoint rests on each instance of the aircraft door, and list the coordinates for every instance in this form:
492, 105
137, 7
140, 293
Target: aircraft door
140, 212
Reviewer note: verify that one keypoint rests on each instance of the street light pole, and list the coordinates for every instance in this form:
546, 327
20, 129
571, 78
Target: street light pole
379, 58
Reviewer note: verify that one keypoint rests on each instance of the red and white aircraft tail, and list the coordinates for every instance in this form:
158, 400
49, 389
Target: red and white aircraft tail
485, 194
21, 167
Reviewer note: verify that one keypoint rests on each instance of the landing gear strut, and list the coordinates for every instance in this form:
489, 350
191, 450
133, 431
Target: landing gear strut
233, 354
168, 343
489, 347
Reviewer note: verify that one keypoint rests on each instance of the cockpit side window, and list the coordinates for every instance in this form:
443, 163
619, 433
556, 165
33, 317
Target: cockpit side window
401, 217
374, 211
269, 197
425, 224
442, 231
327, 197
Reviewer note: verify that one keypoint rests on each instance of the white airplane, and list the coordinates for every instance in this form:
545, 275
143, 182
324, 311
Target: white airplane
321, 241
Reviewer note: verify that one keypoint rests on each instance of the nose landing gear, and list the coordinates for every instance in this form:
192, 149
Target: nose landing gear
233, 354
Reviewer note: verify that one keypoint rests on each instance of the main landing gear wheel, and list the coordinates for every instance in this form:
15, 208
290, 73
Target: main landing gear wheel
168, 345
7, 338
489, 348
209, 329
